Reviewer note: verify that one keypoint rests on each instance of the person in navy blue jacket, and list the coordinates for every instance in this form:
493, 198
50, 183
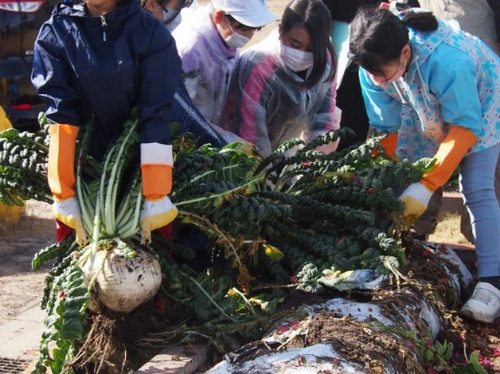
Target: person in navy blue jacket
102, 59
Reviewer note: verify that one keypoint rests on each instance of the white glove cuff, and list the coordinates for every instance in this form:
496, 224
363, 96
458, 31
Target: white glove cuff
154, 208
66, 208
419, 192
156, 154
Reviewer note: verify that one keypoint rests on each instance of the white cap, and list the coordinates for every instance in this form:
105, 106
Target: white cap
251, 13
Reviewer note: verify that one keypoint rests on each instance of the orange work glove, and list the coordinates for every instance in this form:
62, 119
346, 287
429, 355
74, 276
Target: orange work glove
61, 178
389, 143
156, 171
450, 153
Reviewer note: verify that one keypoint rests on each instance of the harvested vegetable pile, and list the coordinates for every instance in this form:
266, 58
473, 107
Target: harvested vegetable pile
410, 326
302, 221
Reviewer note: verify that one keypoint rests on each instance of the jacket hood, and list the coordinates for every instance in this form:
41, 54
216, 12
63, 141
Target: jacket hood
425, 43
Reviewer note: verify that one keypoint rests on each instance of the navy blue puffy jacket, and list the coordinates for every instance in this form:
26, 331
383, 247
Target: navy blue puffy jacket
104, 67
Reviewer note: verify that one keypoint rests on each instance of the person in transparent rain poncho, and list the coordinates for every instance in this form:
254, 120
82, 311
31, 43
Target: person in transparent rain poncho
284, 86
208, 41
447, 81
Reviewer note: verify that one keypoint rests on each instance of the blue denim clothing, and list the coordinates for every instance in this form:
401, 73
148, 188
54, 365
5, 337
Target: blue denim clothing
477, 185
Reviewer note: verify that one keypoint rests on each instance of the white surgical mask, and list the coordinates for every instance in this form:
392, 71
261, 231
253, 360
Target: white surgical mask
401, 72
295, 59
168, 14
236, 40
170, 22
378, 80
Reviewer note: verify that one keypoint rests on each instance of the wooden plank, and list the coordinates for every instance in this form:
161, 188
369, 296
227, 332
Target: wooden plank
452, 202
176, 360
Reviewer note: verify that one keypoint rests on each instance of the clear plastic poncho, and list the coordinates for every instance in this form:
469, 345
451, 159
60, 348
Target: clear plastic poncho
267, 105
207, 62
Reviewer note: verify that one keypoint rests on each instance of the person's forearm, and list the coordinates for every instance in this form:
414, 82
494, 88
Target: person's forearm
449, 155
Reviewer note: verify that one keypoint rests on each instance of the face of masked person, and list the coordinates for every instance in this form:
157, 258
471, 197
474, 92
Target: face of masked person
392, 72
236, 40
171, 18
234, 33
295, 59
295, 49
239, 34
166, 11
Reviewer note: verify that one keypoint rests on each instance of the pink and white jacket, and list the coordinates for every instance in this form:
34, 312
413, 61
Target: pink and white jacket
267, 105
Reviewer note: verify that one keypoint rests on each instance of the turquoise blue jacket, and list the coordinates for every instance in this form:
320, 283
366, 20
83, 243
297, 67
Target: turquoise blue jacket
453, 78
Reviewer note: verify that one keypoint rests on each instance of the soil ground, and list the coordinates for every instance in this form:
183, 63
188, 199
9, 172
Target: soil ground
20, 286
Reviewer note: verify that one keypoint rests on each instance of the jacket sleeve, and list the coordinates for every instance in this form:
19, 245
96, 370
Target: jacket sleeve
160, 76
327, 117
250, 110
53, 79
191, 62
191, 120
384, 112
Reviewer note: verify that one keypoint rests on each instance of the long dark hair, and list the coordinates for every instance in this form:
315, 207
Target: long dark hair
377, 36
315, 17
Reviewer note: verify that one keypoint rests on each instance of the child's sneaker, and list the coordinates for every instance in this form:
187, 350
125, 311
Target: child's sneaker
484, 305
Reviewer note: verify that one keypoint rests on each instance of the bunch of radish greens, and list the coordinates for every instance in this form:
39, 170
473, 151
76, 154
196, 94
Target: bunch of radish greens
298, 219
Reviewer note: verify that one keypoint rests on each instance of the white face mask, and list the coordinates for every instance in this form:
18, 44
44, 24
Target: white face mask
236, 40
295, 59
168, 14
378, 80
171, 20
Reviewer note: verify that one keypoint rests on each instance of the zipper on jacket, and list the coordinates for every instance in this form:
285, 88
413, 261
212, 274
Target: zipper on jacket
104, 25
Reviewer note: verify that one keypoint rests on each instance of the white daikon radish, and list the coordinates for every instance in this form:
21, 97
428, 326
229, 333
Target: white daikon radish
126, 277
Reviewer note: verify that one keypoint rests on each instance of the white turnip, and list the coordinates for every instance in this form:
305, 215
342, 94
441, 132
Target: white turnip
123, 277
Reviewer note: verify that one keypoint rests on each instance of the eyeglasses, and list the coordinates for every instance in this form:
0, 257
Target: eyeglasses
240, 26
